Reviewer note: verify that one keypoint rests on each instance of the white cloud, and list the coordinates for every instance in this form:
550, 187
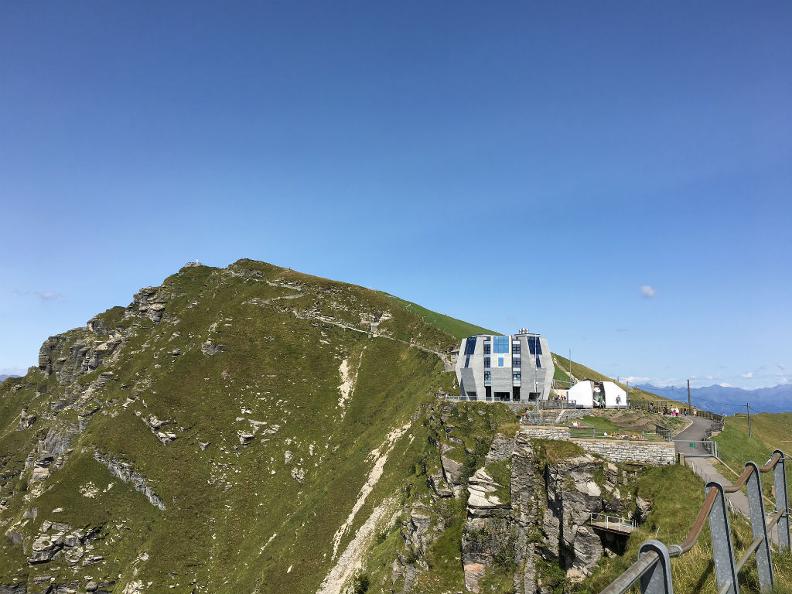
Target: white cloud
48, 295
648, 291
636, 379
747, 375
41, 295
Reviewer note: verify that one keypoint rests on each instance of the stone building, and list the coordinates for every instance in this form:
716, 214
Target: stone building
513, 368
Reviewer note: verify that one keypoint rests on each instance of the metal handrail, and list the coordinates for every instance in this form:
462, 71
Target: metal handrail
653, 567
617, 521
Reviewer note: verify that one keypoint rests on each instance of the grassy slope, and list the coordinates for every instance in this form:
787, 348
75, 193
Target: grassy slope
768, 433
225, 503
669, 522
238, 506
456, 328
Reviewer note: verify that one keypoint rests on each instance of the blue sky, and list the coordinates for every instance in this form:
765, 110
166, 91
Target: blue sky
512, 165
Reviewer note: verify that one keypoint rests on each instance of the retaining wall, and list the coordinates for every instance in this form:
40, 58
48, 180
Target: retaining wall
653, 453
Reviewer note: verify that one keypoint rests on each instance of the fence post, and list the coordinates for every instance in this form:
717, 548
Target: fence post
657, 580
759, 528
782, 502
723, 554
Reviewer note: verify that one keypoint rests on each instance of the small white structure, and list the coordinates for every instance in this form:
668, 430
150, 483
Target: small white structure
582, 394
615, 396
591, 394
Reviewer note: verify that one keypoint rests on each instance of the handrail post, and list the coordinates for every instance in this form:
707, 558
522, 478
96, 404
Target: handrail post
782, 502
723, 554
759, 528
657, 580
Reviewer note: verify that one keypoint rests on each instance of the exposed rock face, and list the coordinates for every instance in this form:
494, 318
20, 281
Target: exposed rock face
483, 501
572, 495
452, 470
149, 302
25, 421
553, 500
210, 348
55, 538
125, 472
526, 505
490, 535
417, 536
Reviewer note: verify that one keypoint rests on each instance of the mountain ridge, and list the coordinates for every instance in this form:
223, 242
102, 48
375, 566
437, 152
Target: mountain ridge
730, 400
260, 419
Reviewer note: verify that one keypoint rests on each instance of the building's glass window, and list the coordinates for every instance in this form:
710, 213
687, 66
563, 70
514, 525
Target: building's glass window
487, 348
538, 346
532, 344
487, 377
486, 362
500, 361
501, 344
516, 347
538, 362
516, 376
470, 345
515, 361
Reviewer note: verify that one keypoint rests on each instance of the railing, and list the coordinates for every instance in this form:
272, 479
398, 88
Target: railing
653, 567
708, 448
657, 408
612, 522
557, 405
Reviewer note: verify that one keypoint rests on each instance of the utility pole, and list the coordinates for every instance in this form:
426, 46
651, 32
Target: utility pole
748, 408
690, 403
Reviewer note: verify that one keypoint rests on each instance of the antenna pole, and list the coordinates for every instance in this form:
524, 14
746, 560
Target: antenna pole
748, 408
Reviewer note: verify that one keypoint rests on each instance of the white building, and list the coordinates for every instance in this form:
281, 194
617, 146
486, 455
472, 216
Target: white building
511, 368
591, 394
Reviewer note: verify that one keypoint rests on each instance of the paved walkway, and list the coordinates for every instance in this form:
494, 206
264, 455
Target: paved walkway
697, 431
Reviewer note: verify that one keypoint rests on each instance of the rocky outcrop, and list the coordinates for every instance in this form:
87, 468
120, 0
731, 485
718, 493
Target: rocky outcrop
149, 302
543, 513
25, 420
490, 534
483, 500
572, 495
126, 473
70, 355
55, 538
417, 536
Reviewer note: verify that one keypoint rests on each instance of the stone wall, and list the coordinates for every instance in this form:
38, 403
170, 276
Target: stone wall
653, 453
546, 432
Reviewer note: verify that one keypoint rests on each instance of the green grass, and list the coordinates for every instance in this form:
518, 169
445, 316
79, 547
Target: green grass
768, 433
224, 503
500, 472
669, 521
452, 326
550, 451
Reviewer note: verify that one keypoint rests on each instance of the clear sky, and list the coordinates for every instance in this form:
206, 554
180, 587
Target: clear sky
617, 176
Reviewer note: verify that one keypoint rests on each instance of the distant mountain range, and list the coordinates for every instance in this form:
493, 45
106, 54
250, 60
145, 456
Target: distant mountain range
5, 377
727, 400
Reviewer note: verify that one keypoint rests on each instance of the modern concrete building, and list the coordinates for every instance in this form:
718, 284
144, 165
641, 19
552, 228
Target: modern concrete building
591, 394
516, 368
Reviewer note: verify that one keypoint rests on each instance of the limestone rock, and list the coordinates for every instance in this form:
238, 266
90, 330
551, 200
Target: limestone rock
210, 348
